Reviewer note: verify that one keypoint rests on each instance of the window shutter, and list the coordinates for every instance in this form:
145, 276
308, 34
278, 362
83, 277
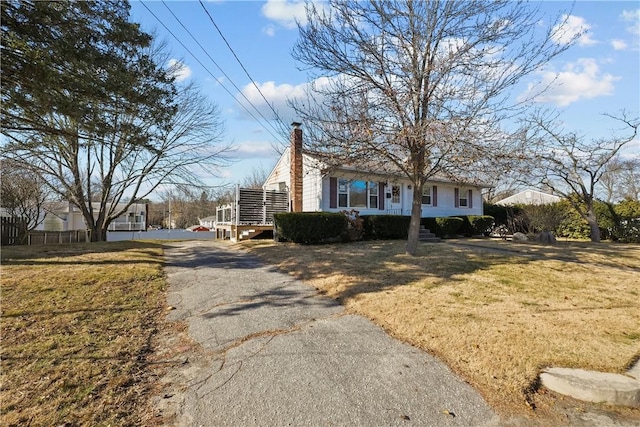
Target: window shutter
381, 196
456, 197
333, 192
470, 202
434, 196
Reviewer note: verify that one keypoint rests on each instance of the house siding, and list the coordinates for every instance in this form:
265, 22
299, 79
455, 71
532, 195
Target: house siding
280, 173
311, 190
444, 197
446, 201
317, 191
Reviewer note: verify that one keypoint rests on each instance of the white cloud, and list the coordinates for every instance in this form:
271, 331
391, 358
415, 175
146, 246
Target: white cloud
571, 27
277, 95
254, 150
632, 16
269, 30
618, 44
178, 69
285, 12
579, 80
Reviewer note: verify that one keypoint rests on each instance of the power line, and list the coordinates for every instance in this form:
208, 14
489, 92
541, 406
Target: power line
275, 113
208, 71
220, 68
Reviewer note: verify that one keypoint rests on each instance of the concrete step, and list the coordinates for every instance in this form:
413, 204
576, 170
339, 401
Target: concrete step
425, 235
591, 386
430, 239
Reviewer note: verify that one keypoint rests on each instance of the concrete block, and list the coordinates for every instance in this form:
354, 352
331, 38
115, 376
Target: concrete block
593, 386
635, 370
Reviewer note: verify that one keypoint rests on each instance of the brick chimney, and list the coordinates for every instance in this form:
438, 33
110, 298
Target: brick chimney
295, 161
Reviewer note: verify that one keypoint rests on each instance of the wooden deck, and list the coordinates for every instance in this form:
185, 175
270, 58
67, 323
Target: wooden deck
250, 214
238, 233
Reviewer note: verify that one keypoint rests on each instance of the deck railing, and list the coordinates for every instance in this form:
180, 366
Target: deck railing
253, 207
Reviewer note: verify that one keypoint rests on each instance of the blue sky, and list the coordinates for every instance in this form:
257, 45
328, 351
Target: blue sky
600, 74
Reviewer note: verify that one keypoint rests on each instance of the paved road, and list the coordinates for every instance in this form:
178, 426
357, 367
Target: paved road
278, 354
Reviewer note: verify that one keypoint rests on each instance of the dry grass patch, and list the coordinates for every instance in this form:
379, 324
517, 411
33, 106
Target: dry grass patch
494, 316
77, 321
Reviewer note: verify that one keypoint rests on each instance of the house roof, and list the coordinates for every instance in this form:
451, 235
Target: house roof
529, 197
367, 168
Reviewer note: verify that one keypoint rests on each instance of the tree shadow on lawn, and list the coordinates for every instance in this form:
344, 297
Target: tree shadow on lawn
71, 254
607, 254
374, 266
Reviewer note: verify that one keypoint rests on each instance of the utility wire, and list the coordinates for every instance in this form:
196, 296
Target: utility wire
275, 113
221, 70
207, 69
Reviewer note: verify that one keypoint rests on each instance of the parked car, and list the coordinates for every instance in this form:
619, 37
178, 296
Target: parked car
198, 228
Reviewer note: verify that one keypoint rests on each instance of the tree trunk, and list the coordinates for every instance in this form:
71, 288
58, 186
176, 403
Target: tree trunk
414, 225
98, 234
593, 225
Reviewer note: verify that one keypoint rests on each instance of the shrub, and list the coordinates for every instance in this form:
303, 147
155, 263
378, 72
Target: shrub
507, 218
354, 226
310, 227
449, 226
386, 227
480, 224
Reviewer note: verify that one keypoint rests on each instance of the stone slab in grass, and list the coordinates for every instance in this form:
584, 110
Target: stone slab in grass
591, 386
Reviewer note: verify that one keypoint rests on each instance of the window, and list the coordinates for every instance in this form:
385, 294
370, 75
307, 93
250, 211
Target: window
357, 194
463, 198
463, 202
343, 193
426, 195
373, 195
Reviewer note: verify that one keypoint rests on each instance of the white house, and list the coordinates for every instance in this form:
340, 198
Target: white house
65, 216
315, 188
529, 197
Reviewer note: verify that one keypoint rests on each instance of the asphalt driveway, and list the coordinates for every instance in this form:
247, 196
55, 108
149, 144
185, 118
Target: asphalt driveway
275, 353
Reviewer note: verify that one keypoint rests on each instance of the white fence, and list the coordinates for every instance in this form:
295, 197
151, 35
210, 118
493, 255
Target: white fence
160, 235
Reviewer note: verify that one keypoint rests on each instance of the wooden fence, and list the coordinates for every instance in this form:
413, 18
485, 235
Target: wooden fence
11, 230
57, 237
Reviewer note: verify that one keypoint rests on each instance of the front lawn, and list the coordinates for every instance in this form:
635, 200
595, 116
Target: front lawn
76, 328
496, 312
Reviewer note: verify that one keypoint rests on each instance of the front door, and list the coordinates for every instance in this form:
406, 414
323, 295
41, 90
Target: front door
395, 203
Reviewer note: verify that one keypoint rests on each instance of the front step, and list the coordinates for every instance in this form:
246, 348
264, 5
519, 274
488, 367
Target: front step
425, 235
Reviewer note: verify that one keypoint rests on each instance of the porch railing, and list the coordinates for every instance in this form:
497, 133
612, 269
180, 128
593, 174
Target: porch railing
253, 207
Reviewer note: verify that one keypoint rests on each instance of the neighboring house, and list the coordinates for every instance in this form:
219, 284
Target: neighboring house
65, 216
315, 188
208, 222
529, 197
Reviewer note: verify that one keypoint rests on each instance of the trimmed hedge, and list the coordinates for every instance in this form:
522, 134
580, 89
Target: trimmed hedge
320, 227
385, 227
480, 224
310, 227
449, 226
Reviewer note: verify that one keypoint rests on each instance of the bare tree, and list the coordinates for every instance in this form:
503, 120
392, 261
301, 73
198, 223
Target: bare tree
419, 87
621, 179
256, 179
573, 166
23, 195
114, 171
